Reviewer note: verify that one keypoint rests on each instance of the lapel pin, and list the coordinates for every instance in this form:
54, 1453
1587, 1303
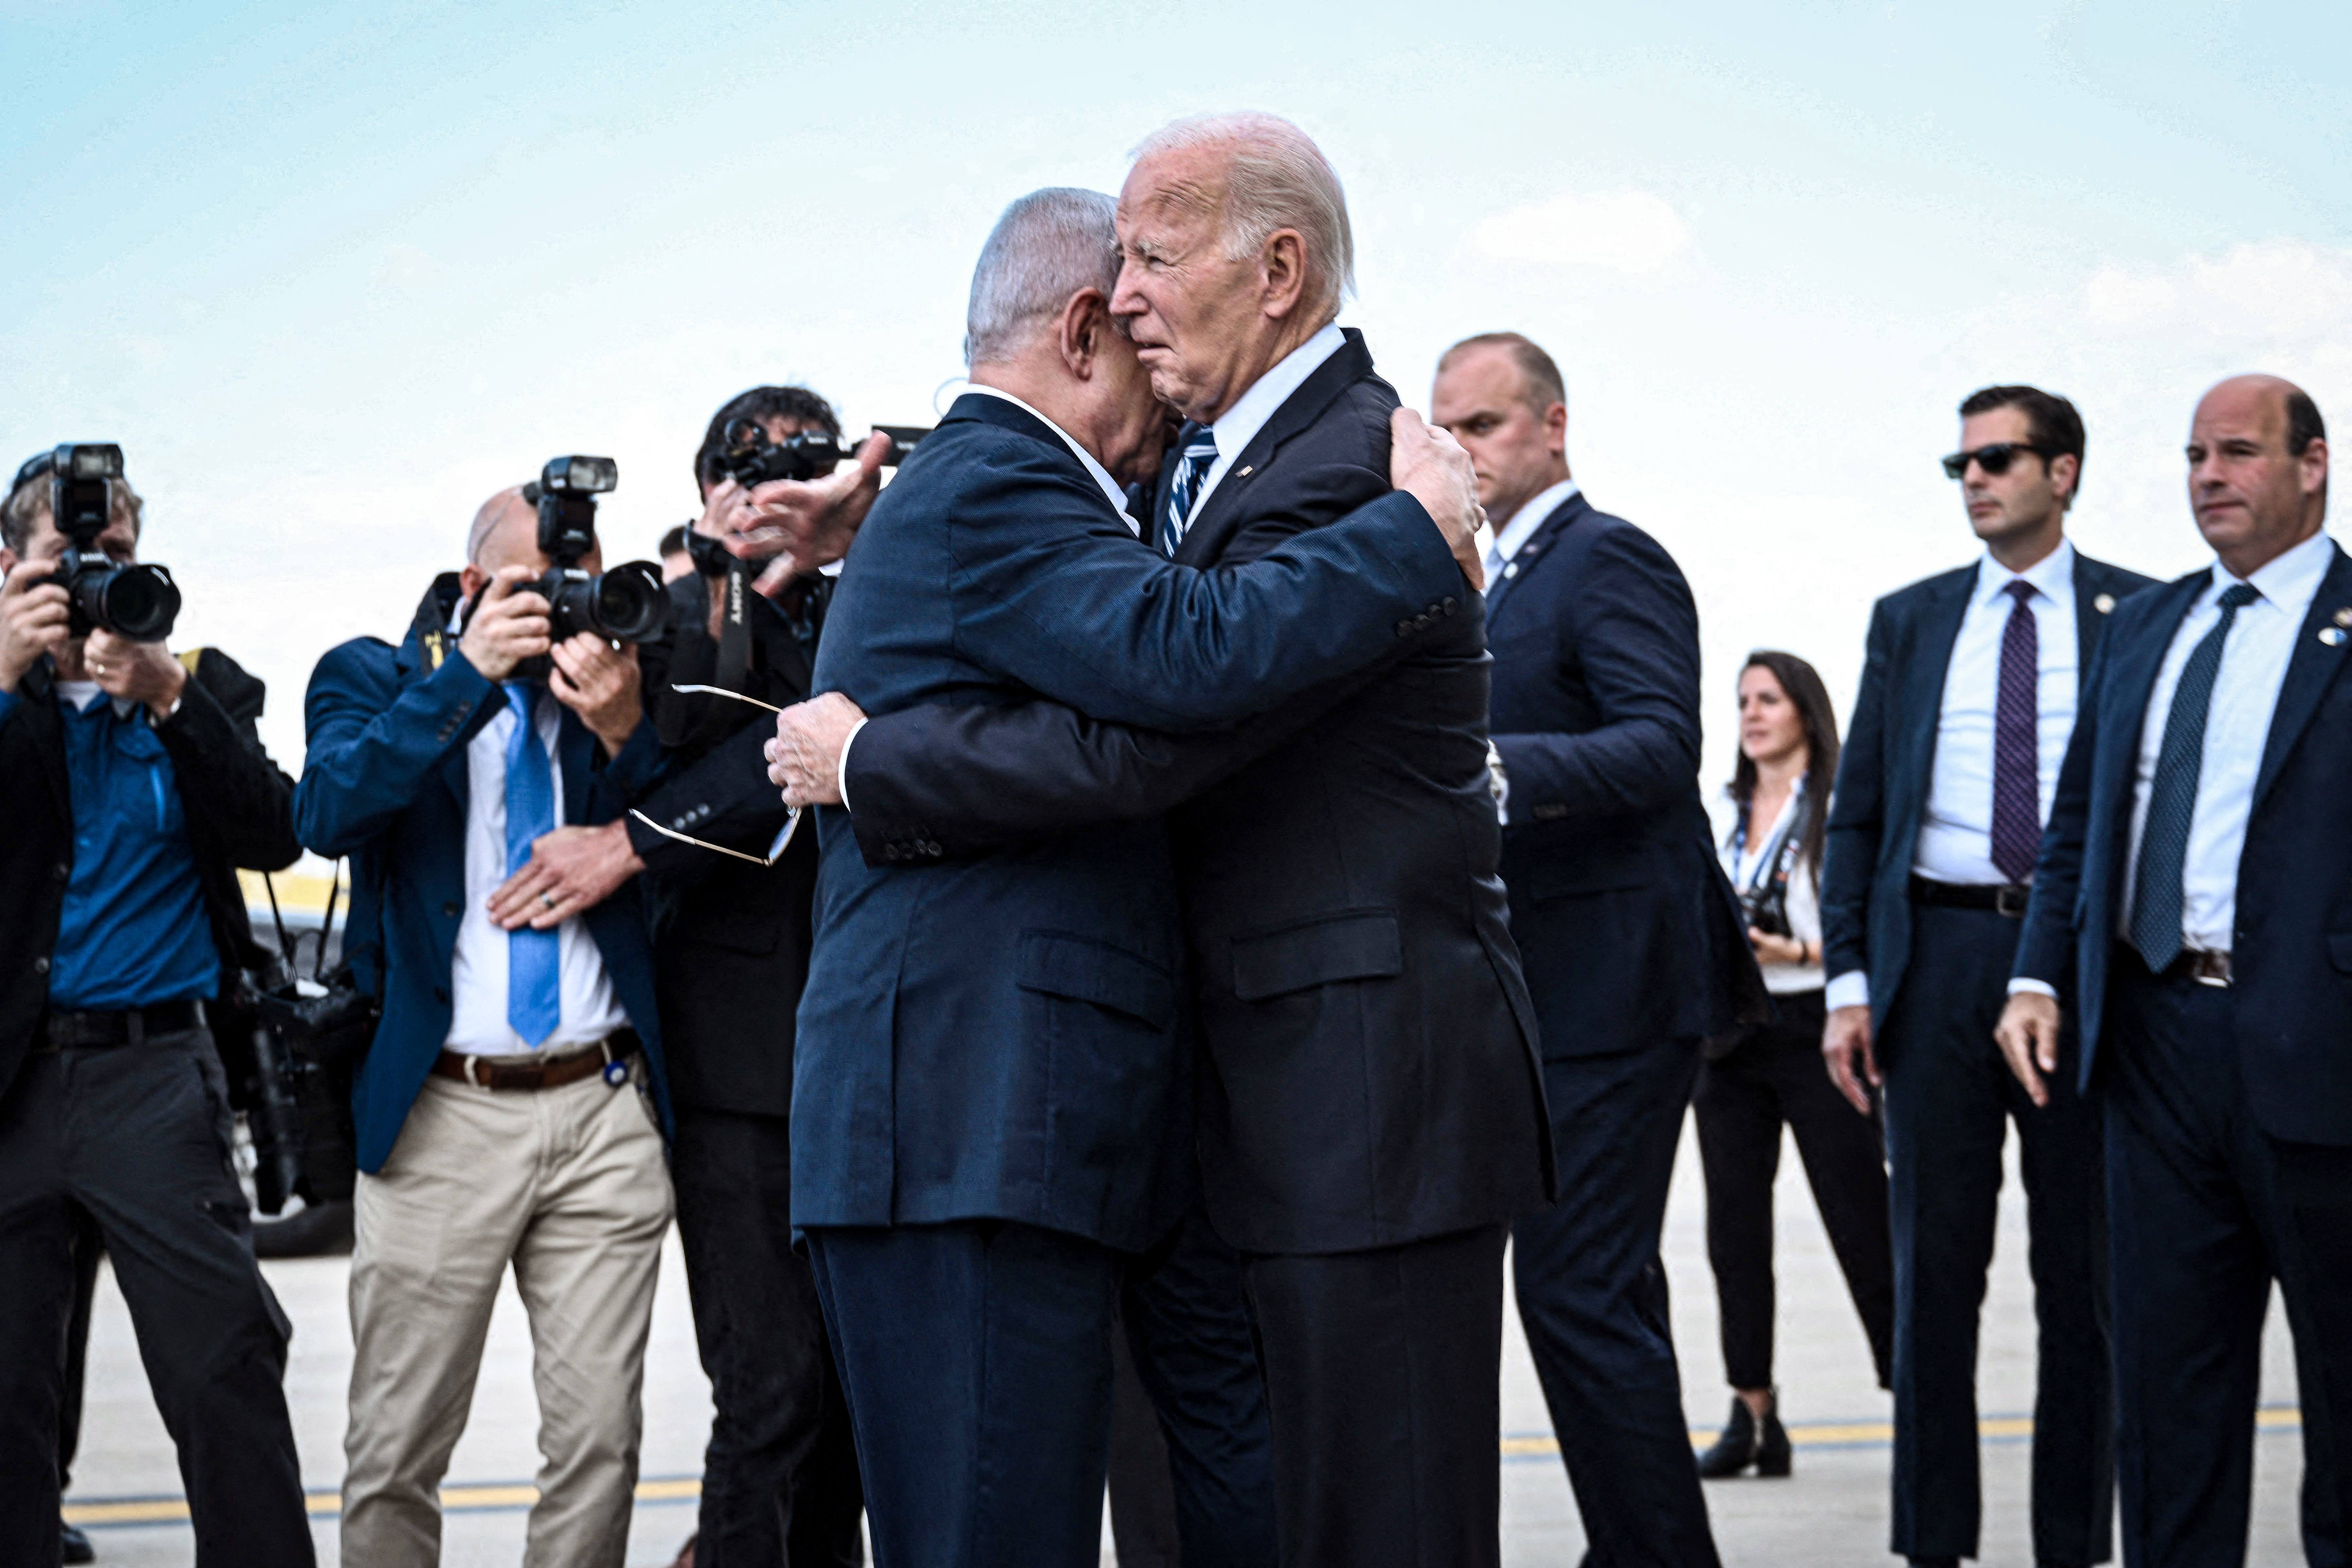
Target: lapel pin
2104, 603
2343, 617
2331, 636
1245, 471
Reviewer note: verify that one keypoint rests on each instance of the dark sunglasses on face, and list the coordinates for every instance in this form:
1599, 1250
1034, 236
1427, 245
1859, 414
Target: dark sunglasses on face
1993, 460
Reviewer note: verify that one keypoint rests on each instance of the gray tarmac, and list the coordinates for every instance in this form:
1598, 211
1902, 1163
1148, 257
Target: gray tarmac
1832, 1510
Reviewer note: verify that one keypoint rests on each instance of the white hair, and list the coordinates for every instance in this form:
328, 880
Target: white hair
1047, 246
1275, 178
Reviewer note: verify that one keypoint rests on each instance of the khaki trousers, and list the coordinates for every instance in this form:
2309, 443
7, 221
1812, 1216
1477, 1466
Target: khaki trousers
568, 1186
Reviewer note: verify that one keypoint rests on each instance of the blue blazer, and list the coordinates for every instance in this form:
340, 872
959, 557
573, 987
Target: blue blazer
1889, 758
1632, 937
1003, 1038
384, 782
2291, 949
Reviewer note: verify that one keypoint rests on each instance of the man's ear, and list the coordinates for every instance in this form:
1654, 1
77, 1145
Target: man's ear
2313, 462
1281, 263
7, 560
2065, 466
1084, 320
1555, 421
472, 580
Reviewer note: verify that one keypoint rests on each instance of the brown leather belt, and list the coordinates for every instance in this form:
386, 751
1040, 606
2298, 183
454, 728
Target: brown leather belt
544, 1072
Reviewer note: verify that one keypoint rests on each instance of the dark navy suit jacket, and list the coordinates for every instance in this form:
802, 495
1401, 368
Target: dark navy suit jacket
1370, 1076
1632, 937
1002, 1036
1890, 756
384, 782
2291, 949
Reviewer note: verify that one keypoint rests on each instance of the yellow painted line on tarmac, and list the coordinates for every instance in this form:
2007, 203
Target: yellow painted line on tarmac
483, 1498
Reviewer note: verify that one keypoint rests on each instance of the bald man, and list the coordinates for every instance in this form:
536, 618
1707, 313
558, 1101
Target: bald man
2190, 907
511, 1109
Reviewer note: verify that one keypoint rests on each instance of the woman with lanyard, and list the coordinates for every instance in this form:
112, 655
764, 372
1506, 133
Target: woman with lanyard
1771, 1074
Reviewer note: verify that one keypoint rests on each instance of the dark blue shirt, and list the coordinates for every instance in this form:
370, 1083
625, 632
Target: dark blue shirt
133, 930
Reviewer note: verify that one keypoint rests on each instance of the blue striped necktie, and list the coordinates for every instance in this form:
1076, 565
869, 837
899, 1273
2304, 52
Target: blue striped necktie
2157, 899
534, 964
1197, 448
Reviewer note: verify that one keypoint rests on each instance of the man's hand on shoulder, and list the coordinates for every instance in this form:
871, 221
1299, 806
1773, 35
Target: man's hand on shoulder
1430, 465
509, 625
805, 524
804, 759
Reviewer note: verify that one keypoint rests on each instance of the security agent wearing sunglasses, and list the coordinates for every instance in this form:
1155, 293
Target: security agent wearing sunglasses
1967, 700
135, 786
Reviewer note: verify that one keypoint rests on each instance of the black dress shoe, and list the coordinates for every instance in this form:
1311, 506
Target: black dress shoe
77, 1548
1772, 1454
1735, 1451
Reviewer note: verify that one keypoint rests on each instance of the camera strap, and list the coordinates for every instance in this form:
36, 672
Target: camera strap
732, 669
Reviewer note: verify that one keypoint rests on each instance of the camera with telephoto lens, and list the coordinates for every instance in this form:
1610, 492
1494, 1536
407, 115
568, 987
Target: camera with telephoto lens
749, 458
622, 604
137, 602
1766, 908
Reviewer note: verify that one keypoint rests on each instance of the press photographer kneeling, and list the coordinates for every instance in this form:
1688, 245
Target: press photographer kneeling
136, 784
509, 1109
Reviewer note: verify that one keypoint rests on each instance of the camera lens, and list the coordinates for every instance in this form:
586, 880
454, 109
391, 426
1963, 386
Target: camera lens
631, 602
137, 602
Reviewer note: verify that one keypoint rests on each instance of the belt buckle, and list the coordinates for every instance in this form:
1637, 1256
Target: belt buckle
2008, 902
2212, 969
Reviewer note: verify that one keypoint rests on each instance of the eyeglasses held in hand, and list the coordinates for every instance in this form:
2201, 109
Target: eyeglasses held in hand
1993, 460
791, 813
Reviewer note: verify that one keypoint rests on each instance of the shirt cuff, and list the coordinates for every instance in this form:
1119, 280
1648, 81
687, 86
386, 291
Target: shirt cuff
2024, 987
1851, 989
841, 764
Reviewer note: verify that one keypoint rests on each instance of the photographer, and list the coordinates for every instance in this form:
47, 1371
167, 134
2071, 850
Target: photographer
508, 1111
780, 1480
136, 784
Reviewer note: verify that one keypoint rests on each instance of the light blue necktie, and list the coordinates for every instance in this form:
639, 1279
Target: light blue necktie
1197, 446
534, 966
2156, 892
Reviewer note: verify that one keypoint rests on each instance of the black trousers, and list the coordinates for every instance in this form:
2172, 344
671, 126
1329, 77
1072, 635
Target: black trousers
136, 1140
2207, 1210
1191, 1457
1592, 1299
976, 1355
1775, 1077
1949, 1099
779, 1477
86, 1251
1383, 1377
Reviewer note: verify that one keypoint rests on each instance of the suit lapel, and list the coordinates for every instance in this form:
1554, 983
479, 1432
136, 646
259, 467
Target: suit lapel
1939, 628
2131, 675
2092, 604
1538, 544
40, 715
2311, 667
1223, 512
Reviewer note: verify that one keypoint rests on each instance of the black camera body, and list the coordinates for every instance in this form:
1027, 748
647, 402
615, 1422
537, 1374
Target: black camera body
627, 603
749, 458
138, 602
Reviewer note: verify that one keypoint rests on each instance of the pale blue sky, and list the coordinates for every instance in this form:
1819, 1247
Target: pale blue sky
331, 275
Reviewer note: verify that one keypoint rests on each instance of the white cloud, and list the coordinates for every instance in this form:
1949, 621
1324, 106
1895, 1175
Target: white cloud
1632, 232
2272, 293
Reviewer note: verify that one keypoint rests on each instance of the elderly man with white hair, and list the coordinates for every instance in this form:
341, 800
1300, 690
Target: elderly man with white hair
991, 1105
1371, 1112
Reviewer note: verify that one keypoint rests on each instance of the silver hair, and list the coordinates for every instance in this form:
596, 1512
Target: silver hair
1275, 178
1049, 245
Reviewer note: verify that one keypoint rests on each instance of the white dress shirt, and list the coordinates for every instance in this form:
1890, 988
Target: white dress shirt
478, 969
1513, 531
1954, 843
2237, 726
1955, 840
1758, 860
1111, 493
1239, 424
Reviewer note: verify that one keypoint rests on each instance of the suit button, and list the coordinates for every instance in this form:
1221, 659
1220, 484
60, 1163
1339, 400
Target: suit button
890, 852
61, 872
1448, 604
931, 847
453, 910
1405, 628
41, 964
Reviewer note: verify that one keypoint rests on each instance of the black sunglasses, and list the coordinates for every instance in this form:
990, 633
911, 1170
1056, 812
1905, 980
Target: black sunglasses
1993, 460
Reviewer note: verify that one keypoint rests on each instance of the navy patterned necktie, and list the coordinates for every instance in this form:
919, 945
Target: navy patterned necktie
2017, 740
1196, 446
2157, 899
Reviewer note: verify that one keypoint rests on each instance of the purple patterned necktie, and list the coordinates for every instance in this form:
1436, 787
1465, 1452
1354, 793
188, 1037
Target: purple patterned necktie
2017, 742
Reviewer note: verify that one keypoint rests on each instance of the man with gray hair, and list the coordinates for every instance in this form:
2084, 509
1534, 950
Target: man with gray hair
990, 1095
1371, 1110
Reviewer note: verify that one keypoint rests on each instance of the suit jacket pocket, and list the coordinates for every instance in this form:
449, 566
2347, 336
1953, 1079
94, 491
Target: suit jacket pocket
1085, 970
1345, 944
